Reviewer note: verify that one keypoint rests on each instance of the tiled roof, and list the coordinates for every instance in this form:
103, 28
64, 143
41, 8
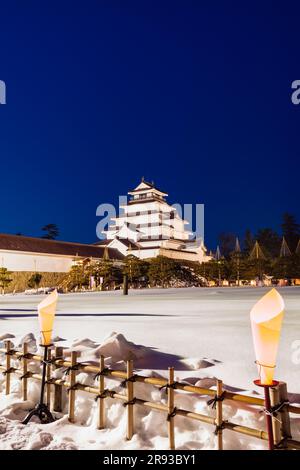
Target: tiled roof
128, 243
103, 242
150, 185
55, 247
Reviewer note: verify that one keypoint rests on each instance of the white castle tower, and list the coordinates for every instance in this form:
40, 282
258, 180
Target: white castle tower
149, 227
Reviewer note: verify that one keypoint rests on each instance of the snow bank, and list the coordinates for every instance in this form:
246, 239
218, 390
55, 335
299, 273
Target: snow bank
150, 427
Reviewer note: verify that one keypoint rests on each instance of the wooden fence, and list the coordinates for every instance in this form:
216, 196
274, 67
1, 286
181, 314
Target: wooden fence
280, 410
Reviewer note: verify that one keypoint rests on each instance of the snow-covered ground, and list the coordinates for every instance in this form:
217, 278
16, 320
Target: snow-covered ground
204, 333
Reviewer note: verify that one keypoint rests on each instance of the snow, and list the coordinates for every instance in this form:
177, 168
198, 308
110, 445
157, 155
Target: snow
204, 333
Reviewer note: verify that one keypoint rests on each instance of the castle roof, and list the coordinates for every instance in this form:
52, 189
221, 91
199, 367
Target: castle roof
145, 186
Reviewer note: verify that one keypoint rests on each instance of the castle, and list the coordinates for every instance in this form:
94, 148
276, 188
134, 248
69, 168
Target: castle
148, 227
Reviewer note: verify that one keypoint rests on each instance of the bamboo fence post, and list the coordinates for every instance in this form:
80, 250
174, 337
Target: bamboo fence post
284, 414
130, 397
219, 414
48, 376
170, 390
25, 370
72, 387
57, 401
274, 395
7, 365
101, 403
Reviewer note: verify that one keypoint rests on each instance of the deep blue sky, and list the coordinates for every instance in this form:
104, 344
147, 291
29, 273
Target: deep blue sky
193, 95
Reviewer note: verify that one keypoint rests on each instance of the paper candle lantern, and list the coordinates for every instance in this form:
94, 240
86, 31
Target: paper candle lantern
266, 318
46, 311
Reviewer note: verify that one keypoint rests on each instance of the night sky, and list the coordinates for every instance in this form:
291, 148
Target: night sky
193, 95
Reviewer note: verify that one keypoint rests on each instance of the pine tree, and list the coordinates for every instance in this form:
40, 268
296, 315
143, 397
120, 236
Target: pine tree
216, 269
136, 269
237, 248
290, 230
105, 271
218, 254
227, 243
237, 255
5, 279
269, 240
77, 277
286, 267
35, 280
256, 252
259, 260
51, 230
162, 270
284, 249
287, 264
220, 264
248, 242
106, 253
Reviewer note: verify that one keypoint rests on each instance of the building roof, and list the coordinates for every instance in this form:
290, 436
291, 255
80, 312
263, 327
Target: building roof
54, 247
175, 240
147, 200
148, 185
128, 243
163, 248
155, 247
117, 228
102, 242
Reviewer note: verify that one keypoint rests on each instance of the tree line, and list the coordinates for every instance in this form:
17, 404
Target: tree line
266, 253
105, 274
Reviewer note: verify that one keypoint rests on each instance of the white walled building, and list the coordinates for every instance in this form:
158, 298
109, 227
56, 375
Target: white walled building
28, 254
149, 227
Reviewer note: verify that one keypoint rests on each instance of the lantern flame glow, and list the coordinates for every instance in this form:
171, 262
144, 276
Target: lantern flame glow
266, 319
46, 311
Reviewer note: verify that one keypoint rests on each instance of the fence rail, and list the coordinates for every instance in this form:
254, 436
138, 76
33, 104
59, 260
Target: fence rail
280, 405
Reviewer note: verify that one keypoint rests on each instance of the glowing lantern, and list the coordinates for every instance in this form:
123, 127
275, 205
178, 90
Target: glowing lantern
266, 319
46, 311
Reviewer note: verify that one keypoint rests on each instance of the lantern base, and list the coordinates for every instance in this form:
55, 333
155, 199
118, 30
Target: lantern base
266, 388
42, 412
259, 384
